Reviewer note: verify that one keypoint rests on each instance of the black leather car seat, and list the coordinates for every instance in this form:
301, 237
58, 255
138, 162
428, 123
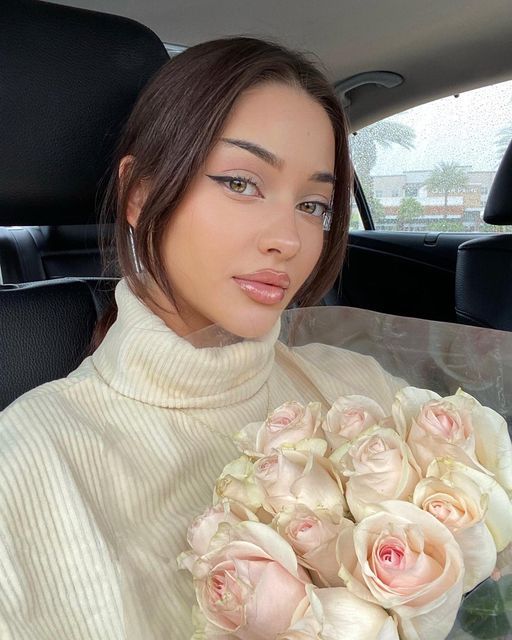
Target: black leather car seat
69, 78
483, 279
28, 254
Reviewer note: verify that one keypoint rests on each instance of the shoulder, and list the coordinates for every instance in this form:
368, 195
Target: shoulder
38, 420
30, 458
46, 398
48, 445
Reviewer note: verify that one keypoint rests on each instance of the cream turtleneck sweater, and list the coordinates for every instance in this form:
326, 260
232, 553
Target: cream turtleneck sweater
101, 472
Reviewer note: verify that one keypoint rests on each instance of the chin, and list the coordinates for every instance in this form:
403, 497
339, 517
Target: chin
251, 324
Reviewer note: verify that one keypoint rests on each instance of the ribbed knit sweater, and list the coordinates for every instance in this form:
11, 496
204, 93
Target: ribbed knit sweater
101, 472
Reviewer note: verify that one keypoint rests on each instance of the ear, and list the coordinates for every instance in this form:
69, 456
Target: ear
137, 195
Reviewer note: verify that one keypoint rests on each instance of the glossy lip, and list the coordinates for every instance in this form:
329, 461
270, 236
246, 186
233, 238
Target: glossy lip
266, 286
267, 276
261, 292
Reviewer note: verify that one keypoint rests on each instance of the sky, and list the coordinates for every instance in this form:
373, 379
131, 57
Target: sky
462, 130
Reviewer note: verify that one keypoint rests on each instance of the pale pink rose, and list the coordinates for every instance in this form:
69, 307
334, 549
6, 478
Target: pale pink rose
204, 527
457, 502
436, 427
236, 483
456, 427
405, 560
287, 426
337, 614
348, 417
375, 466
456, 507
307, 628
312, 535
498, 509
290, 477
493, 444
240, 584
407, 406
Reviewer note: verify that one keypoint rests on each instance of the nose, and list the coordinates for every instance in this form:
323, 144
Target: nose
280, 235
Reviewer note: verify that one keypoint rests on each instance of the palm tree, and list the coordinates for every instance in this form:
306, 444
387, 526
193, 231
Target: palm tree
365, 144
446, 178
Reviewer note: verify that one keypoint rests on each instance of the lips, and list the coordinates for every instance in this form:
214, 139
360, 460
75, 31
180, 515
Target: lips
275, 278
265, 287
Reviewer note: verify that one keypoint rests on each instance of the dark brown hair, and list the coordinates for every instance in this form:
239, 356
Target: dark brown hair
174, 125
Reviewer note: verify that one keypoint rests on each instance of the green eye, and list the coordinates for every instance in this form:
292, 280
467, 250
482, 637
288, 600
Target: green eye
316, 209
237, 185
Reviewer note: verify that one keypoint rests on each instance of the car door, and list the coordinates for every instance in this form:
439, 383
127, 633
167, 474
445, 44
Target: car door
423, 180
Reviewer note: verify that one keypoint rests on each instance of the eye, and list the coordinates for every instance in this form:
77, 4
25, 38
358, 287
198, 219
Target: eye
238, 184
315, 209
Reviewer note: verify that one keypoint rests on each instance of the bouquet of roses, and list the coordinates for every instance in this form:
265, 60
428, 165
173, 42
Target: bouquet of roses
358, 526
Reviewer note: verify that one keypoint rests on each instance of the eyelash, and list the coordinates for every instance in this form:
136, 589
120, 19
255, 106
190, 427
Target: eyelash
327, 210
225, 180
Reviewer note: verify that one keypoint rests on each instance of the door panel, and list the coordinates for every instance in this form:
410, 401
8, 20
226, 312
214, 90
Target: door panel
407, 274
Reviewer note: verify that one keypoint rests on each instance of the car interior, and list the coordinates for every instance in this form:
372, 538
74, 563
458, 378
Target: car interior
70, 75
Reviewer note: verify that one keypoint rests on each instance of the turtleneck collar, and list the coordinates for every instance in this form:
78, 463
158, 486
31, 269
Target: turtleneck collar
140, 357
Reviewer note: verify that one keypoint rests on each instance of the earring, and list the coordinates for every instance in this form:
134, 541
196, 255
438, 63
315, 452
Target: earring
135, 259
327, 220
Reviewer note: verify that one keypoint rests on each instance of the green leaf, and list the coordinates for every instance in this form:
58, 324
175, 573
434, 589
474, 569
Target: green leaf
486, 612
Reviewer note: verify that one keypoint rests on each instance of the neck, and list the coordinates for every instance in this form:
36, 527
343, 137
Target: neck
179, 317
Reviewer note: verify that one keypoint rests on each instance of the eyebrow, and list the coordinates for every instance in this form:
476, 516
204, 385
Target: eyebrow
255, 149
323, 176
272, 159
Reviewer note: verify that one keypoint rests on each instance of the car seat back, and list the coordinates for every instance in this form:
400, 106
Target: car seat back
69, 79
46, 329
483, 278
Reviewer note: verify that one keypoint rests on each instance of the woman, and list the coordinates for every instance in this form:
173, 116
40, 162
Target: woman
231, 190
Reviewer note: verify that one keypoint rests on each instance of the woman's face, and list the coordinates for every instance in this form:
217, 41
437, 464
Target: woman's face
249, 230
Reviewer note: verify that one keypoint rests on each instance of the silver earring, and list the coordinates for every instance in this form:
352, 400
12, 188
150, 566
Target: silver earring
328, 215
131, 239
327, 219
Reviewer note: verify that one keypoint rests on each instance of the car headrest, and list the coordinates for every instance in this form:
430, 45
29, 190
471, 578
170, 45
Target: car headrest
69, 78
498, 209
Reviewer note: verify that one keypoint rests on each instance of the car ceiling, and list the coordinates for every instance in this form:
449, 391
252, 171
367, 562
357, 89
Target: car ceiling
439, 47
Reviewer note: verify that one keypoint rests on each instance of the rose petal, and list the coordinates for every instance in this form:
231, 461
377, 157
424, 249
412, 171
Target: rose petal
344, 616
278, 604
240, 584
479, 552
377, 466
420, 598
236, 482
349, 416
499, 507
291, 476
493, 444
407, 405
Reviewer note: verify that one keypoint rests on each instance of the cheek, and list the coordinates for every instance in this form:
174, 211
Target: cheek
311, 249
196, 240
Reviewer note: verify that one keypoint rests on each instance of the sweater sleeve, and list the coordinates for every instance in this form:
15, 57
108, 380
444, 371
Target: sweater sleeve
57, 575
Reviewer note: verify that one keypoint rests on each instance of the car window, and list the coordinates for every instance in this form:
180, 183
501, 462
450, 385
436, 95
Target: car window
430, 168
